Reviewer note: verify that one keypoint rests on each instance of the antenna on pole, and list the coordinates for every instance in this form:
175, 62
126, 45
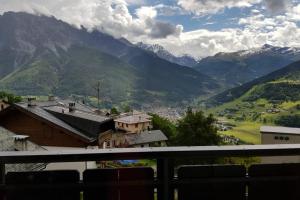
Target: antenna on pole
97, 88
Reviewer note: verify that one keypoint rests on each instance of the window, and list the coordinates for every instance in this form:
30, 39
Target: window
136, 125
127, 125
281, 138
108, 144
276, 137
2, 107
286, 138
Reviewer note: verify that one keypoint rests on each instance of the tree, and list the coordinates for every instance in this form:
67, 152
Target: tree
114, 111
127, 108
10, 98
165, 125
289, 120
195, 129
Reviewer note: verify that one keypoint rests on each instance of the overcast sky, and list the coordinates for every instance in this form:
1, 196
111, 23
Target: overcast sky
197, 27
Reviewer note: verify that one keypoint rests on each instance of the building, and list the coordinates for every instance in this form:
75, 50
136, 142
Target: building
132, 130
3, 104
55, 122
134, 123
153, 138
9, 141
280, 135
114, 139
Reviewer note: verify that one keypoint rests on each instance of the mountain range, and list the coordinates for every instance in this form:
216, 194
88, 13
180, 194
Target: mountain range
41, 55
161, 52
237, 68
280, 85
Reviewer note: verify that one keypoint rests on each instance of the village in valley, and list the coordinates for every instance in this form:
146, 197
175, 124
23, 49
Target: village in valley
57, 124
150, 100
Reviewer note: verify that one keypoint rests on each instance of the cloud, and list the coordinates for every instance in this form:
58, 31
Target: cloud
110, 16
114, 17
169, 10
254, 32
277, 6
163, 30
204, 7
136, 2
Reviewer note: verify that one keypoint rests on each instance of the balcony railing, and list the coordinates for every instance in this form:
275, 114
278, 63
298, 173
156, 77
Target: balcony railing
263, 181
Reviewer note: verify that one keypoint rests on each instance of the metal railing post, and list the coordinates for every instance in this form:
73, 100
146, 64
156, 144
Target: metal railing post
2, 173
165, 174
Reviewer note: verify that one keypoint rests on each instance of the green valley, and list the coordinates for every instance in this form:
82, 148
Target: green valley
271, 100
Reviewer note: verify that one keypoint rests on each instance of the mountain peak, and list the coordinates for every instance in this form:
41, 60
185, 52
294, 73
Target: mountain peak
42, 55
160, 51
267, 46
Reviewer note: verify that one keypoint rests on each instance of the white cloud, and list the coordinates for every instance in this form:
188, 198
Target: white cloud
203, 7
294, 13
110, 16
146, 12
169, 10
255, 31
136, 2
113, 17
255, 11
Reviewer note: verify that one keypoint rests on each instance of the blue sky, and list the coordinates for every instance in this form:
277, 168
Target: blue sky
199, 28
226, 18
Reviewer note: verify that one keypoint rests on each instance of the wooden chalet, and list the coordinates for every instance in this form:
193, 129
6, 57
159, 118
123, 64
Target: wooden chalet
55, 123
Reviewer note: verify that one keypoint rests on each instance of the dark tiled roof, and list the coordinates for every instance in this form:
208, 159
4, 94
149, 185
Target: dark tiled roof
64, 103
146, 137
88, 123
77, 113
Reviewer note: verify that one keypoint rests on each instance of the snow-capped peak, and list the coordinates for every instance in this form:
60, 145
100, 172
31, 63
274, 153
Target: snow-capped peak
161, 52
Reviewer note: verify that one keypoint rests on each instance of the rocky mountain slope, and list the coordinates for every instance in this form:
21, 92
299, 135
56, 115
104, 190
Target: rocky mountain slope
234, 69
41, 55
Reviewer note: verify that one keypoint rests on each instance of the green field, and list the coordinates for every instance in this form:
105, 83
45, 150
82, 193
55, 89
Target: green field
249, 116
246, 131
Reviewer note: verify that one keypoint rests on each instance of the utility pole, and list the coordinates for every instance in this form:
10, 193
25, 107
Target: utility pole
97, 88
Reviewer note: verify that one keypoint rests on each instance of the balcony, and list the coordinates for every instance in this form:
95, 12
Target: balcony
191, 182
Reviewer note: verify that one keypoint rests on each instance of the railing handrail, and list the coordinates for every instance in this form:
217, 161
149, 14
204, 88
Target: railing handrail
11, 157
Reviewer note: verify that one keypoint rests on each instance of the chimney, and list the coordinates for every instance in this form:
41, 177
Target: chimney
20, 142
51, 98
31, 101
72, 107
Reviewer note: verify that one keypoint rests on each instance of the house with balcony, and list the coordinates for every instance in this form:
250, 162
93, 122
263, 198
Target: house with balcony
132, 130
134, 123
